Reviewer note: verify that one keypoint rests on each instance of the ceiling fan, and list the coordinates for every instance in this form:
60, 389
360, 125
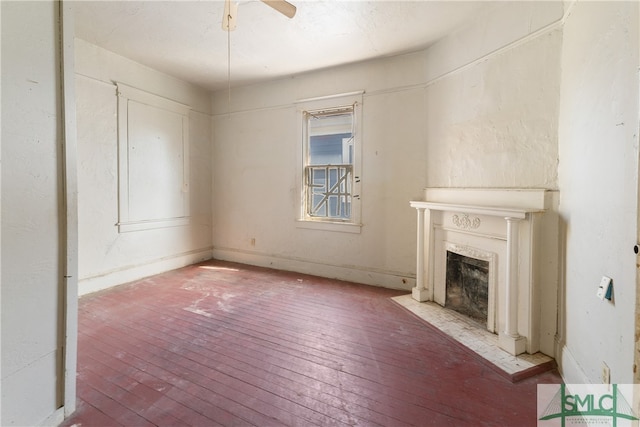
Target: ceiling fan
231, 11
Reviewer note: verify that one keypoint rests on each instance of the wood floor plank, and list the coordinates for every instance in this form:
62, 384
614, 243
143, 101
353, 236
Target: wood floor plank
285, 361
223, 344
346, 364
268, 381
217, 405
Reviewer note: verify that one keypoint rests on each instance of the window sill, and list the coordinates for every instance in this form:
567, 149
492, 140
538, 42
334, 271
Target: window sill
343, 227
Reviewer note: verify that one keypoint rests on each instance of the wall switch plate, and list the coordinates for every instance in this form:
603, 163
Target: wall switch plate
604, 289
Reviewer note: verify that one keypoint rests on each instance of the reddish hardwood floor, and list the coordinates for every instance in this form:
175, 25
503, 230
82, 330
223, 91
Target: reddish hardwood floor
222, 344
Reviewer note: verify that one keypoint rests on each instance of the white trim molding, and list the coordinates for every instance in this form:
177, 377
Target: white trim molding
128, 219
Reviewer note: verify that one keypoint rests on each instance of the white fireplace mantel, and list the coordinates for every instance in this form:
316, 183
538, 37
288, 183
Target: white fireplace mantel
497, 221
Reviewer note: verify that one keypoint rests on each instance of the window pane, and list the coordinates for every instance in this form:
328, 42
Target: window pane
329, 191
327, 149
329, 134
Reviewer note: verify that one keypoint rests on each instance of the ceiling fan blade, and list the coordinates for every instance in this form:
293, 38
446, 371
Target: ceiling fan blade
282, 6
230, 15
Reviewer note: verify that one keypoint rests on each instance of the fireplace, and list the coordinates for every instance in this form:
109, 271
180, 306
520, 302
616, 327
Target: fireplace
467, 286
481, 252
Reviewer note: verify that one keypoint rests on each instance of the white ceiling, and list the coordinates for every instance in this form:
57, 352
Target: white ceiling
185, 38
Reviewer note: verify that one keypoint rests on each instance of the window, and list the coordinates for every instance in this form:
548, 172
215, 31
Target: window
329, 166
331, 160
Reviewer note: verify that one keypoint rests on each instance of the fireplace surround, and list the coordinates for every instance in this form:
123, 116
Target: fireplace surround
516, 232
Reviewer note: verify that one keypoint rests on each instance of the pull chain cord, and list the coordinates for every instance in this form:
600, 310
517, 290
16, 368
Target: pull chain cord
229, 63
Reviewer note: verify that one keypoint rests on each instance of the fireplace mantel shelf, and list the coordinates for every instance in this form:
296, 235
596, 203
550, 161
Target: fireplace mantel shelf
516, 213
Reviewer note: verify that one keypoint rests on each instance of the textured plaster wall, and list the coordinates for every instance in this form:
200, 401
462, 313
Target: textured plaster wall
598, 177
478, 108
108, 257
494, 124
31, 319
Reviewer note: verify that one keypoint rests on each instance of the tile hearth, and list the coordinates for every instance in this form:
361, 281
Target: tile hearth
473, 336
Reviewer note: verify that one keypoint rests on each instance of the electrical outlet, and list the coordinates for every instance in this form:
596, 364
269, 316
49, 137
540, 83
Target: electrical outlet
606, 374
253, 241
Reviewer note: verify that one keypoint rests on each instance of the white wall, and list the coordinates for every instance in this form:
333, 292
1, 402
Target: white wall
255, 185
493, 99
478, 108
495, 124
32, 318
108, 257
598, 176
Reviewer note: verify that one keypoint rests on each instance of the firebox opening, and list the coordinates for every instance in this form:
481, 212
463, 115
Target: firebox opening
467, 286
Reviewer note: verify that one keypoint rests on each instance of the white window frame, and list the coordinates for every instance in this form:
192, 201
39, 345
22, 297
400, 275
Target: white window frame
353, 225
